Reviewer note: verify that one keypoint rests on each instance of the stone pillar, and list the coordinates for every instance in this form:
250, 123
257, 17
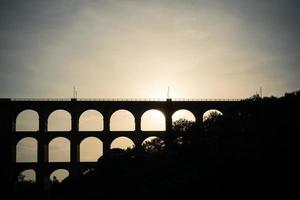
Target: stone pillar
43, 122
75, 151
43, 151
106, 145
7, 146
168, 117
42, 179
138, 143
106, 122
137, 118
13, 152
168, 138
75, 122
74, 171
13, 124
199, 117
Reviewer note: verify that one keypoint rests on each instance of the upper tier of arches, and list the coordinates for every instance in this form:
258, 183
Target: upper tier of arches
146, 119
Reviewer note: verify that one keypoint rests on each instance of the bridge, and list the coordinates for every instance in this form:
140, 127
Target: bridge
11, 108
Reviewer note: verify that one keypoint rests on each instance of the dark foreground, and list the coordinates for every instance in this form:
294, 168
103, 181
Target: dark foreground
251, 155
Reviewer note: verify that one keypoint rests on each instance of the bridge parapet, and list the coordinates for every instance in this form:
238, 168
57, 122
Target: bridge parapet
121, 99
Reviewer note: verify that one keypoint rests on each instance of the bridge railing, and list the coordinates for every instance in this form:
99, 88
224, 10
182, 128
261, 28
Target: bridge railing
121, 99
118, 99
187, 99
40, 99
87, 99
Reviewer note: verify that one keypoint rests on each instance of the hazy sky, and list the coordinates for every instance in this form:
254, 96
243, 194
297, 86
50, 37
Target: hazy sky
137, 48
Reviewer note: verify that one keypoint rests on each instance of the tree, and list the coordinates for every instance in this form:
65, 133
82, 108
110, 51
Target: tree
21, 178
183, 125
155, 145
55, 180
213, 122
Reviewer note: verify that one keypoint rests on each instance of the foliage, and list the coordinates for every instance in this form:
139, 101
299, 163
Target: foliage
21, 179
213, 122
183, 125
258, 160
155, 145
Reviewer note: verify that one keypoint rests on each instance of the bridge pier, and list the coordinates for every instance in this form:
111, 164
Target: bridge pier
168, 122
43, 122
106, 146
75, 151
43, 151
106, 122
42, 179
137, 121
74, 122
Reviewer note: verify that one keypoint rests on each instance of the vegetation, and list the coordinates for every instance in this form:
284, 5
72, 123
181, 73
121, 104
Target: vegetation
249, 154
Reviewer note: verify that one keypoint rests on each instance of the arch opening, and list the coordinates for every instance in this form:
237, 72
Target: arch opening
153, 144
91, 120
26, 150
59, 120
28, 175
213, 121
153, 120
27, 120
122, 120
183, 120
91, 149
183, 114
211, 114
122, 143
59, 150
59, 175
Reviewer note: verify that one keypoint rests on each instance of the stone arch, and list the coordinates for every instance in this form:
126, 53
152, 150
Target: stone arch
183, 114
59, 120
91, 120
26, 150
59, 150
153, 144
207, 114
27, 175
122, 143
213, 121
122, 120
91, 149
183, 120
27, 120
59, 175
153, 120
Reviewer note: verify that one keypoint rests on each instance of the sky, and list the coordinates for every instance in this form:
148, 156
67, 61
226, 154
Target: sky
139, 48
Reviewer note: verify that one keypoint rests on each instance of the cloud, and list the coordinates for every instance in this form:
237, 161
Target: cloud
99, 45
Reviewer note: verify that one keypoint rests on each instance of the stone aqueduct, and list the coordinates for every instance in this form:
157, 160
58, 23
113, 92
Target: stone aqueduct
10, 109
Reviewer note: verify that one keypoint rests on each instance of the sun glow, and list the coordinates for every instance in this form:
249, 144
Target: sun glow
153, 120
158, 116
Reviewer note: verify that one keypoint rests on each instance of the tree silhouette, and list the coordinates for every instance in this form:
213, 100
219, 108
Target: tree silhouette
21, 178
258, 160
154, 146
55, 180
213, 122
183, 125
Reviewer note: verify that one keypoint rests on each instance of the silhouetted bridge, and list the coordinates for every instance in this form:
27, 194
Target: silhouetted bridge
11, 108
